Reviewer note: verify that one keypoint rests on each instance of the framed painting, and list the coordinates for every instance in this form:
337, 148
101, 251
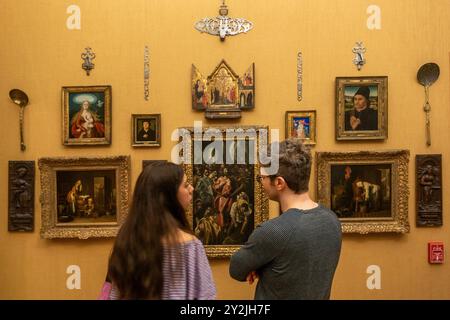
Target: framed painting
86, 115
301, 125
83, 197
361, 108
367, 190
229, 200
146, 130
223, 94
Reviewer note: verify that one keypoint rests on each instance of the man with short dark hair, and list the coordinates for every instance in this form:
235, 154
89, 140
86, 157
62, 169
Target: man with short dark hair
296, 254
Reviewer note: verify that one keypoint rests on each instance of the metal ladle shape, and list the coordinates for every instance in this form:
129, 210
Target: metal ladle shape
427, 75
21, 99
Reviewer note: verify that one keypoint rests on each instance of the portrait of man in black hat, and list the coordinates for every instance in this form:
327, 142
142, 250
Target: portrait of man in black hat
362, 116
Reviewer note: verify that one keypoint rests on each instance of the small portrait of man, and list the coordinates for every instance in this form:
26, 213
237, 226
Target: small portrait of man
362, 116
146, 130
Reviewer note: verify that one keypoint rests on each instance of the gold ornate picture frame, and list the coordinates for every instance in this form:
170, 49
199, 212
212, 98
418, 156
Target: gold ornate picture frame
86, 113
83, 197
301, 125
368, 190
229, 200
362, 108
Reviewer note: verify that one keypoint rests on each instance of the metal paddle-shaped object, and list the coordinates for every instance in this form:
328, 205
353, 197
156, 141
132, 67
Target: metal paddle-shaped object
21, 99
427, 75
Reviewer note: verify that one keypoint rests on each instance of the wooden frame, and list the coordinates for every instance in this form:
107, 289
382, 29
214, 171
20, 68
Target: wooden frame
371, 123
368, 190
83, 197
220, 189
90, 127
302, 125
142, 137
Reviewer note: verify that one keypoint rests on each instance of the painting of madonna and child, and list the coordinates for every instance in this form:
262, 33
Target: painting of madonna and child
87, 115
361, 191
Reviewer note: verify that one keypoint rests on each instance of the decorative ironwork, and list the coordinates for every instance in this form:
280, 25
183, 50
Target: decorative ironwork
146, 73
88, 56
299, 76
359, 51
427, 75
21, 99
223, 25
21, 196
429, 190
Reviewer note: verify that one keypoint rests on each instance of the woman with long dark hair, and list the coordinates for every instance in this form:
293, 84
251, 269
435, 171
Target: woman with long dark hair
155, 255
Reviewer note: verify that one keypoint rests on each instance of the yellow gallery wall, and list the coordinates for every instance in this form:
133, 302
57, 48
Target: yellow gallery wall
40, 55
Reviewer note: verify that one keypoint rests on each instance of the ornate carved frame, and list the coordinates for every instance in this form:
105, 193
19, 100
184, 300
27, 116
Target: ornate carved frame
261, 202
48, 167
399, 159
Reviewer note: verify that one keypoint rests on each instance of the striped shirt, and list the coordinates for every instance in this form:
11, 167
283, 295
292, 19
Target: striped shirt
191, 282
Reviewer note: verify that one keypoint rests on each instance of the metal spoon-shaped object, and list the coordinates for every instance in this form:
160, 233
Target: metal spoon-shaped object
21, 99
427, 75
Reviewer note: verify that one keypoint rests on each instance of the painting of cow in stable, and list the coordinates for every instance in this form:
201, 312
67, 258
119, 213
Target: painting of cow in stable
361, 191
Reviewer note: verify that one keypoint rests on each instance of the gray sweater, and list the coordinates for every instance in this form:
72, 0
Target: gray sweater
295, 255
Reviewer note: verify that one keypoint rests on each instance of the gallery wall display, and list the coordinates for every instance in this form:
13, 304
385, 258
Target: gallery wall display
428, 190
83, 197
86, 115
368, 190
21, 196
301, 125
229, 201
223, 94
146, 130
361, 108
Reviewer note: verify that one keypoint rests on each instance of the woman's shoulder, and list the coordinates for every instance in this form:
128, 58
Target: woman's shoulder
185, 237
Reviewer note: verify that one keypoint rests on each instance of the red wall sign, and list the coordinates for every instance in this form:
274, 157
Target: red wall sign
435, 252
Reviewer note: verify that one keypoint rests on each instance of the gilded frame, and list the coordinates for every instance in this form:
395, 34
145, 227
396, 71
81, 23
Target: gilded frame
396, 165
307, 120
93, 130
54, 201
257, 195
376, 126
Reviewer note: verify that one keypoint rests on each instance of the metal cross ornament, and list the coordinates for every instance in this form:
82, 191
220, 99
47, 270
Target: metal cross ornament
223, 25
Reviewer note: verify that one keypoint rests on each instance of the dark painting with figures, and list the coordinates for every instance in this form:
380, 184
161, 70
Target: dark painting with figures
86, 196
361, 191
223, 204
